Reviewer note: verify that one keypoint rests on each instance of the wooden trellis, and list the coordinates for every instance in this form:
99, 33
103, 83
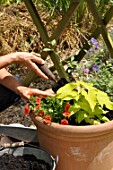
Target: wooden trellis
101, 29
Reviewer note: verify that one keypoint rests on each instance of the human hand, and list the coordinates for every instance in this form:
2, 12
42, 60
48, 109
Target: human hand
29, 60
26, 92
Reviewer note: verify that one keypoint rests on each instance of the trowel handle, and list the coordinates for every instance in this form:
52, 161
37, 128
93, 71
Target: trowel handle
60, 83
46, 71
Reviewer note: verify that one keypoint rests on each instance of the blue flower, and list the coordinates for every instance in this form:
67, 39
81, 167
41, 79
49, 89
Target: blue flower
94, 42
85, 70
95, 68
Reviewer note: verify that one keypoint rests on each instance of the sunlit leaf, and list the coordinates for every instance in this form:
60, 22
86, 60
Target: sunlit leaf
102, 98
84, 104
53, 42
81, 115
91, 98
68, 87
67, 95
92, 121
105, 119
74, 108
98, 110
109, 105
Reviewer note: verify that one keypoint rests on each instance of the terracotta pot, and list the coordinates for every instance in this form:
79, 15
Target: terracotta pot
78, 147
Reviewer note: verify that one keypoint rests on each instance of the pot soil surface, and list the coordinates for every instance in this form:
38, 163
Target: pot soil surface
25, 162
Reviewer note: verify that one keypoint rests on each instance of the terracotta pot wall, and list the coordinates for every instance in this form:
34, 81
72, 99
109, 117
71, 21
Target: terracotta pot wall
78, 148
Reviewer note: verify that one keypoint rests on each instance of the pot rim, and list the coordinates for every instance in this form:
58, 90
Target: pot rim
92, 129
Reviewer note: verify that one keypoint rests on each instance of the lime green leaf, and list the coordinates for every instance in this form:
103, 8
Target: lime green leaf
85, 85
81, 115
92, 121
96, 122
91, 98
98, 110
67, 92
67, 95
105, 119
67, 88
83, 92
109, 105
53, 42
102, 98
84, 104
74, 108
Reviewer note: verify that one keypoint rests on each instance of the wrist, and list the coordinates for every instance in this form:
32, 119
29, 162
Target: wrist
18, 57
11, 58
17, 90
7, 60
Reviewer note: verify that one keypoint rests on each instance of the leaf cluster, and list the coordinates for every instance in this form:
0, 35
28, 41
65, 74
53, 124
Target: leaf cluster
102, 77
89, 104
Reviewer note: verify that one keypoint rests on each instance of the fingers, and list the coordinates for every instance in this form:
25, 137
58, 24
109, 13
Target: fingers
36, 54
30, 60
36, 69
25, 57
26, 92
50, 91
36, 92
37, 59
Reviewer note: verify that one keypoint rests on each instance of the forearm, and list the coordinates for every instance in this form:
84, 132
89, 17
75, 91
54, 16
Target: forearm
7, 60
8, 80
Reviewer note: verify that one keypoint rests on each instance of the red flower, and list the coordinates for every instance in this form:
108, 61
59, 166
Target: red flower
41, 113
37, 107
64, 122
66, 114
26, 109
47, 119
42, 96
38, 100
67, 106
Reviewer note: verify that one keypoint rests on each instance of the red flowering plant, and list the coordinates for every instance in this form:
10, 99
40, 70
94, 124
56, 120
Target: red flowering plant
50, 109
76, 103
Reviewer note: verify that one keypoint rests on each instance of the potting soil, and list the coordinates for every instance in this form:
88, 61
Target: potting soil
25, 162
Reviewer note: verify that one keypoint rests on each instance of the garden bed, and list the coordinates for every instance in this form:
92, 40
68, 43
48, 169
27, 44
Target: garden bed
19, 34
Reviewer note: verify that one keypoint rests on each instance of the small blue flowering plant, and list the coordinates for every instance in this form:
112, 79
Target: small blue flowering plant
96, 67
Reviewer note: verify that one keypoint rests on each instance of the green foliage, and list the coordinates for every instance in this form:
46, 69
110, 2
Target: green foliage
8, 2
96, 67
50, 106
102, 3
88, 102
54, 5
76, 103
